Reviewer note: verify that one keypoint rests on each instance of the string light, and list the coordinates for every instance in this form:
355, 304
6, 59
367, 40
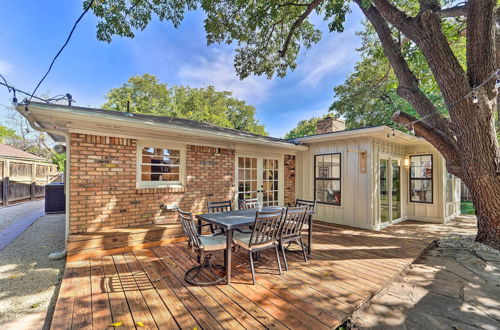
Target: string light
474, 98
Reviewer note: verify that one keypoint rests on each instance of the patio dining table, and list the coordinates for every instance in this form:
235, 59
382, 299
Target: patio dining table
239, 219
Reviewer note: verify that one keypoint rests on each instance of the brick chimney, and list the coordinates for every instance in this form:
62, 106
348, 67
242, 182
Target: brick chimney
329, 125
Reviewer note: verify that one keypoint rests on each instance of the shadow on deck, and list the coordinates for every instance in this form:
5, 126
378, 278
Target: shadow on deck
348, 266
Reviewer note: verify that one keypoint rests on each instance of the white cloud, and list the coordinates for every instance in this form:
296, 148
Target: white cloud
217, 70
335, 54
5, 67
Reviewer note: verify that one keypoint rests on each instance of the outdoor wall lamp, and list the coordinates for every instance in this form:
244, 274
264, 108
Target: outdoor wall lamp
406, 162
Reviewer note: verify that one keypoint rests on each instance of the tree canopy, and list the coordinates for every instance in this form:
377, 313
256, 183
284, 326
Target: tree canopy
146, 94
7, 133
368, 96
304, 127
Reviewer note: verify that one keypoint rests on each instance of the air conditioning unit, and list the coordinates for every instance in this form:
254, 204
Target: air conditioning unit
55, 199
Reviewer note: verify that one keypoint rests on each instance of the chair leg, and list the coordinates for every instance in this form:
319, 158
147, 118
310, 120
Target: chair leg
284, 256
303, 249
278, 258
251, 266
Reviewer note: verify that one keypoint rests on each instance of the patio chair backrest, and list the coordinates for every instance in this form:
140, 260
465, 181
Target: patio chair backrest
187, 221
295, 218
311, 205
266, 228
224, 206
245, 204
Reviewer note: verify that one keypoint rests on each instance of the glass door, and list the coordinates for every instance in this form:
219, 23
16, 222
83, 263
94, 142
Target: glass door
396, 190
258, 177
384, 190
389, 190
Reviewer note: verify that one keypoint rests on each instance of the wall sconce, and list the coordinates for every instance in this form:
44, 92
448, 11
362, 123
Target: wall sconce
406, 162
362, 161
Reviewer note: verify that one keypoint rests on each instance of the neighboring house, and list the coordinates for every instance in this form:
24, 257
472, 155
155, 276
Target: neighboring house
23, 175
123, 167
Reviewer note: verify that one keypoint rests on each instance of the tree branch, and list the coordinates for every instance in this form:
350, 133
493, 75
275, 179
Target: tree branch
408, 84
310, 7
425, 30
437, 138
453, 11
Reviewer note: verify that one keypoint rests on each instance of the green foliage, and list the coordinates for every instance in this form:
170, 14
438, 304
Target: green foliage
261, 28
149, 96
467, 208
7, 133
368, 95
304, 127
59, 160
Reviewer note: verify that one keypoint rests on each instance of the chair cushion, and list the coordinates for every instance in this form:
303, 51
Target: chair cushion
243, 240
213, 243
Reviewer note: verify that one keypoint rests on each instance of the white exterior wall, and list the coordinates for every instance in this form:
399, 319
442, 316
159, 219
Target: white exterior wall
356, 193
360, 191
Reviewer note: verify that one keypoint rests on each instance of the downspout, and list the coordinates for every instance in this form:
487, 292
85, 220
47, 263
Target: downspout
59, 254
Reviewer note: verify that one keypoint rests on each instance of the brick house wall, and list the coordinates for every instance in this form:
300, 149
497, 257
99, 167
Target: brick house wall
104, 196
289, 192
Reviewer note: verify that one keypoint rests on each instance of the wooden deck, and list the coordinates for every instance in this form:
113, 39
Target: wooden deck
348, 266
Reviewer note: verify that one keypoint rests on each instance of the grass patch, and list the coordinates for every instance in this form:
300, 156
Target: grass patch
467, 208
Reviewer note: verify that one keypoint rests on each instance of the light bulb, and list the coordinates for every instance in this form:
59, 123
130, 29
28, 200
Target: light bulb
475, 99
497, 83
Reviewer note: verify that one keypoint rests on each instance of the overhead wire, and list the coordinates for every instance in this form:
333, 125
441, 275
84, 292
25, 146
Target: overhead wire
62, 48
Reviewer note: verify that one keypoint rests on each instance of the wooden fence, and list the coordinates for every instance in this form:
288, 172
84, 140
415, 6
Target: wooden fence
24, 180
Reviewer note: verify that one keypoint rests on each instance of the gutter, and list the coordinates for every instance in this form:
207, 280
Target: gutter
129, 121
63, 253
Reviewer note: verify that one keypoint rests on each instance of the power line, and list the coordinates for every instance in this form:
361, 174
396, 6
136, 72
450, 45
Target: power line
22, 92
62, 48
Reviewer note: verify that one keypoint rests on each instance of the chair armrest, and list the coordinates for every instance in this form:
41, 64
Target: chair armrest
244, 231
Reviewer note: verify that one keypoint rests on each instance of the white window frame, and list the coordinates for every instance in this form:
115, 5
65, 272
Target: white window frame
163, 145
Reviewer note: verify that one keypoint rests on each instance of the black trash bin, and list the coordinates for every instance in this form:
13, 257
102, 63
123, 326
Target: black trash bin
55, 199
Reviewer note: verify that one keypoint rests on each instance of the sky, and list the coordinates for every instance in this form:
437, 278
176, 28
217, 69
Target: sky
32, 31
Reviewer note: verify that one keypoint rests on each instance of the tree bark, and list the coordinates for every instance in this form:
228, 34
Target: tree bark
468, 141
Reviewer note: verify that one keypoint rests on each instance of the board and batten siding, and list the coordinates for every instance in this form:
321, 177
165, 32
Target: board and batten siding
427, 212
356, 187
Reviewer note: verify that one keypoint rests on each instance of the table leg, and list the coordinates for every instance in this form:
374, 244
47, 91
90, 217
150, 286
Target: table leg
227, 259
198, 258
310, 235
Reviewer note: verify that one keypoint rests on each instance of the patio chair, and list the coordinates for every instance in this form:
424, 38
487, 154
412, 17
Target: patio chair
203, 246
214, 207
311, 207
264, 235
245, 204
292, 230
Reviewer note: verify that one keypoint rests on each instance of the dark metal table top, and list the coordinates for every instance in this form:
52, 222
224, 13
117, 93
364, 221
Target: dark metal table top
234, 219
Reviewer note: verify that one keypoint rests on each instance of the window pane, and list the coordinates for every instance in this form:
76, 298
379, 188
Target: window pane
421, 178
421, 190
328, 191
421, 166
328, 175
159, 164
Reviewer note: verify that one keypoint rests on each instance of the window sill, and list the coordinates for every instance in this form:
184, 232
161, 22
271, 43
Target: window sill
173, 188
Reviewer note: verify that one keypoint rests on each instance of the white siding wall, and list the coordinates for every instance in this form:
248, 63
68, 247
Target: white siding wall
434, 212
356, 207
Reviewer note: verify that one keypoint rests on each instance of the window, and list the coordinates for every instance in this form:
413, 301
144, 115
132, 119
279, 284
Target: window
327, 175
159, 166
421, 179
449, 187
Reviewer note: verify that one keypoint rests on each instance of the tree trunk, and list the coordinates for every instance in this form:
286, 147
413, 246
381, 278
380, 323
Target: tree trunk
486, 199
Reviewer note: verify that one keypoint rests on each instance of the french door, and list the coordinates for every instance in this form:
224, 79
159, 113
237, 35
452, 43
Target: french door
258, 177
389, 190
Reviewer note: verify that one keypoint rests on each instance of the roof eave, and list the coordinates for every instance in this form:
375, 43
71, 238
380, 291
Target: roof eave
66, 113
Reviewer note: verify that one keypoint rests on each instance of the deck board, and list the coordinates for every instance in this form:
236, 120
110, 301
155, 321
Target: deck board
348, 266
